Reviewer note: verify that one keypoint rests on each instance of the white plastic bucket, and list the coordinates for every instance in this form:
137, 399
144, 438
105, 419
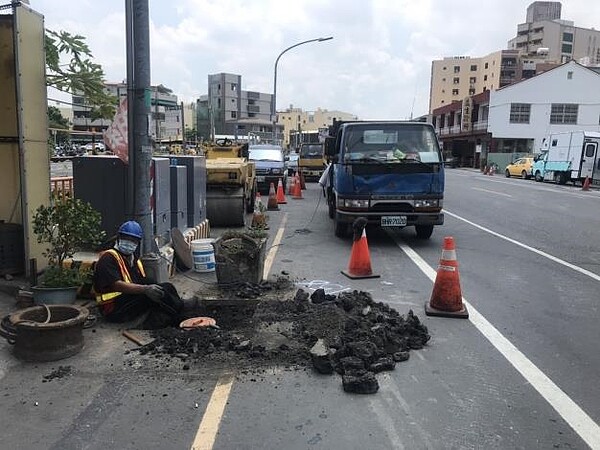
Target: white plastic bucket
203, 255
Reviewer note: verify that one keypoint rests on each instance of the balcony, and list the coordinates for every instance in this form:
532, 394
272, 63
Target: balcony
480, 126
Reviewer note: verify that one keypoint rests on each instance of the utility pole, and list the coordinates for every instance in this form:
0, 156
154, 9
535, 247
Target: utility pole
138, 90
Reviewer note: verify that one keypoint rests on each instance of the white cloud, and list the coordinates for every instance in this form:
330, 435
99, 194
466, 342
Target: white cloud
377, 66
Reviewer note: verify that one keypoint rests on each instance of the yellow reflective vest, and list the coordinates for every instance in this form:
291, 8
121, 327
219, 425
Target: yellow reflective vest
103, 299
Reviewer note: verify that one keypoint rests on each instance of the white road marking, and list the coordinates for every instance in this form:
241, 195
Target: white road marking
491, 192
583, 424
581, 270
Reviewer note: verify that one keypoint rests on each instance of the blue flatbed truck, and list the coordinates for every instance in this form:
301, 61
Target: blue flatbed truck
390, 172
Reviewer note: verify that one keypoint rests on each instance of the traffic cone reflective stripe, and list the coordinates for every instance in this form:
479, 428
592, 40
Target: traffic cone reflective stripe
446, 298
280, 195
359, 265
272, 203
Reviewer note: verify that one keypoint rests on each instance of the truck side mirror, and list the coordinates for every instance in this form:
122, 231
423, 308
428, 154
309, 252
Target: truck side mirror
330, 146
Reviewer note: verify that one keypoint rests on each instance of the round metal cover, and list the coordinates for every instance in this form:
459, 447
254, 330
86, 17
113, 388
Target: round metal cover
198, 322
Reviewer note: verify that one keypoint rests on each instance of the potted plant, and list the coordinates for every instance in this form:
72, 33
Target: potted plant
67, 226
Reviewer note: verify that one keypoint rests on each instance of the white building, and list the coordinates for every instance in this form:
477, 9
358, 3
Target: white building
565, 98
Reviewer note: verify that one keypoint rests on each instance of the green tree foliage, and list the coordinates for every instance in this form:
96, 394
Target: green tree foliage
80, 75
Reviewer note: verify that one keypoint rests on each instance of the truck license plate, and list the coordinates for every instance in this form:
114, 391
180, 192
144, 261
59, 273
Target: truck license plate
393, 221
260, 179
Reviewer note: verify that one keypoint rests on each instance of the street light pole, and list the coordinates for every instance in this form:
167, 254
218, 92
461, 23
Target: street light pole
274, 100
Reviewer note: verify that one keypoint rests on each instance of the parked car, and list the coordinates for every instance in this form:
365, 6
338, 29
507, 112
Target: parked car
520, 168
270, 165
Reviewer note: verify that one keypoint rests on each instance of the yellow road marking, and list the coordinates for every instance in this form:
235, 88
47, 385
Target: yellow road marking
209, 426
211, 420
271, 255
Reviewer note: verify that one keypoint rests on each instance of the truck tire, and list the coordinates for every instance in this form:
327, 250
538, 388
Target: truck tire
331, 206
538, 176
340, 229
424, 231
562, 178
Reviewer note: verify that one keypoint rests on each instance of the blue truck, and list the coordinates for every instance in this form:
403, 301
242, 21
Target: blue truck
390, 172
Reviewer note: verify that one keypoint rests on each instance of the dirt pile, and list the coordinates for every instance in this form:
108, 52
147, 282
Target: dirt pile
350, 334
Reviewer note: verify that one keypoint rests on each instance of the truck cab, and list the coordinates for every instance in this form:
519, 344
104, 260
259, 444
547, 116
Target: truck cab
391, 173
311, 162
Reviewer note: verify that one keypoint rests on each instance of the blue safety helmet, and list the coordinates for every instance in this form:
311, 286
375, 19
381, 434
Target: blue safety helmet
131, 228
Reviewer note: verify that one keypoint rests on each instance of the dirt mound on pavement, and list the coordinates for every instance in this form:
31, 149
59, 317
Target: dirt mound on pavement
350, 334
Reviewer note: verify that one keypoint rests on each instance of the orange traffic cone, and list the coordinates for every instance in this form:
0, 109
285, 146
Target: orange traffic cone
446, 298
272, 202
280, 195
291, 184
586, 184
359, 265
297, 192
258, 218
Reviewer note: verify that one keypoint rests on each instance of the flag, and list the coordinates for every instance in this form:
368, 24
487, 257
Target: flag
115, 136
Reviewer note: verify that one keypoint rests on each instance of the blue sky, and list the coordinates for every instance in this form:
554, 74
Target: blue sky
377, 66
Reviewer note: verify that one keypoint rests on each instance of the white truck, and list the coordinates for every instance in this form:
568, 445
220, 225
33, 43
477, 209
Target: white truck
569, 156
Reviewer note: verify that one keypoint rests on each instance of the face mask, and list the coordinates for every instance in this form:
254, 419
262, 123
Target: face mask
126, 247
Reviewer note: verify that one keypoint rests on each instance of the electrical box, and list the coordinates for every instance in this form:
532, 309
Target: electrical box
102, 181
179, 197
196, 186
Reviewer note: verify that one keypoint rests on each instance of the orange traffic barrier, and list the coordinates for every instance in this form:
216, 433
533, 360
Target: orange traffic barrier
359, 265
446, 298
280, 195
272, 202
586, 184
297, 192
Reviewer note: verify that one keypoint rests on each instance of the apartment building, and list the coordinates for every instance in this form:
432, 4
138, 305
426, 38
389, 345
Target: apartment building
296, 120
165, 113
229, 110
538, 11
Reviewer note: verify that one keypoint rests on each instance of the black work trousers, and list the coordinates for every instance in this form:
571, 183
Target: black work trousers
164, 313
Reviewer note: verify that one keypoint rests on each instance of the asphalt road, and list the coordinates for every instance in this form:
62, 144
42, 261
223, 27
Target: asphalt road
521, 373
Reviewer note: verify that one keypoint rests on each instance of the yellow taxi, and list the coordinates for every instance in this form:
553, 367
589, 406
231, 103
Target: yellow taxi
520, 168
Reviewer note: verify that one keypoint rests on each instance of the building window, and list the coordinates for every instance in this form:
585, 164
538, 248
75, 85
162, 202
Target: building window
234, 114
456, 80
486, 65
564, 113
443, 68
454, 91
567, 48
485, 78
569, 75
456, 69
233, 87
443, 79
519, 112
472, 91
473, 68
473, 80
567, 37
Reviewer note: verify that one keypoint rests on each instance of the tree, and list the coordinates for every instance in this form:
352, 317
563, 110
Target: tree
80, 76
56, 120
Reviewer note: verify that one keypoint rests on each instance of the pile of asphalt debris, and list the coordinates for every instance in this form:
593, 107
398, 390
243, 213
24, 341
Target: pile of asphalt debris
349, 333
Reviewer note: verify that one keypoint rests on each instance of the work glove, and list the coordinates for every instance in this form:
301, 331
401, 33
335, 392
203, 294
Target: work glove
154, 292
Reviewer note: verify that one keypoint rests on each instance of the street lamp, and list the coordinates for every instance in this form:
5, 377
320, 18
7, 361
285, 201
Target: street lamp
274, 103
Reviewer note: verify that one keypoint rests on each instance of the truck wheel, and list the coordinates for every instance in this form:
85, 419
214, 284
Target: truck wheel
424, 231
538, 176
562, 178
340, 228
331, 207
